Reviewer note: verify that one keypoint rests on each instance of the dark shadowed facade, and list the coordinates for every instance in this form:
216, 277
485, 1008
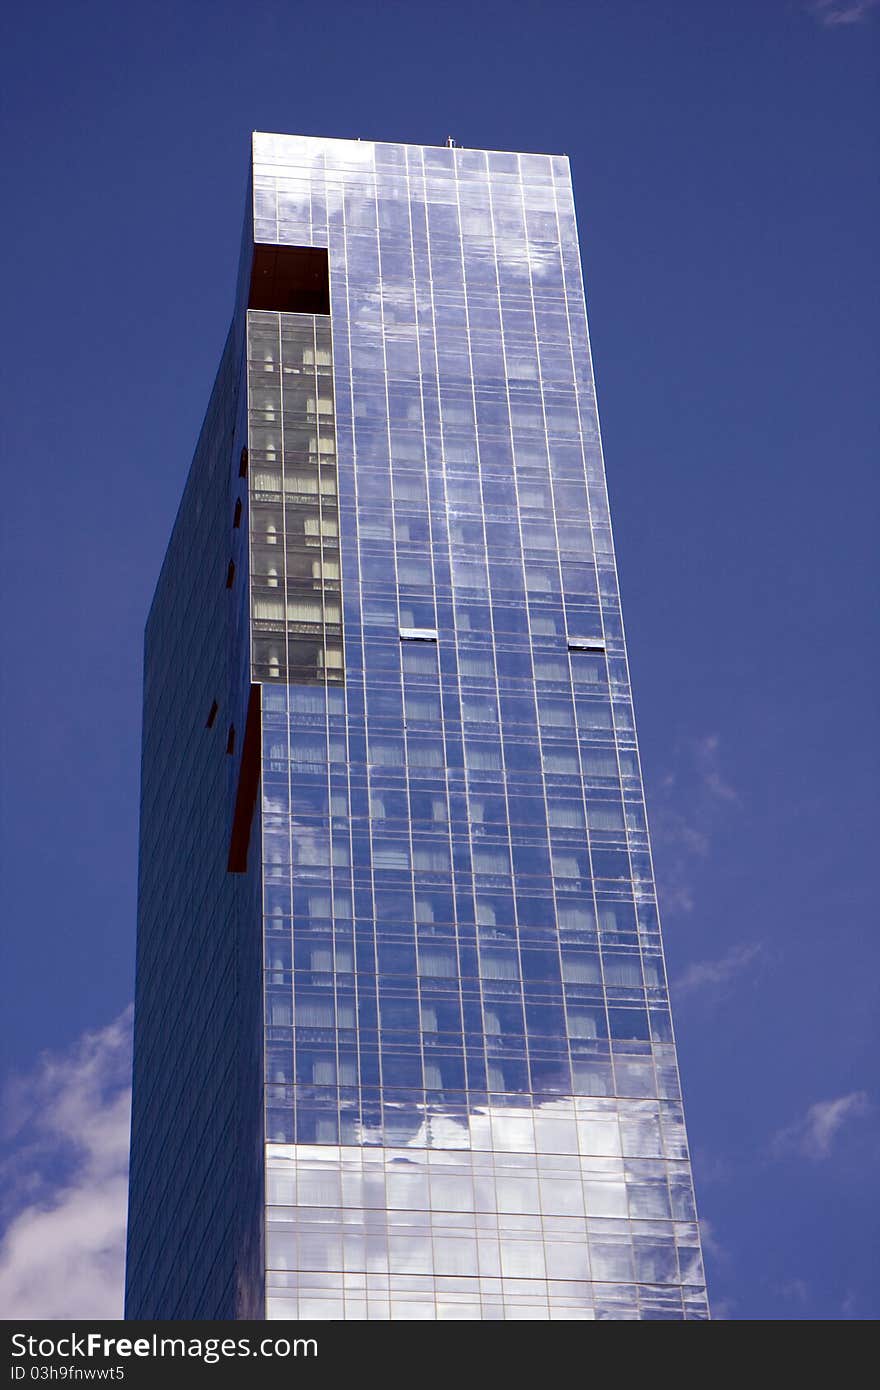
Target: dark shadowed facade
402, 1037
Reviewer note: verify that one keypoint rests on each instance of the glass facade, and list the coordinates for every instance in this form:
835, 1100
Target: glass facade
466, 1066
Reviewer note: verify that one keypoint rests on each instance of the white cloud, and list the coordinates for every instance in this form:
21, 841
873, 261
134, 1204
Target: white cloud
815, 1134
64, 1177
795, 1290
686, 811
709, 769
831, 13
713, 975
723, 1309
709, 1240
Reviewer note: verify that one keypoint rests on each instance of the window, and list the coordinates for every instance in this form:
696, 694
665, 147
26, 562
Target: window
606, 817
437, 962
425, 708
290, 279
580, 968
431, 858
499, 965
624, 972
568, 815
474, 665
490, 861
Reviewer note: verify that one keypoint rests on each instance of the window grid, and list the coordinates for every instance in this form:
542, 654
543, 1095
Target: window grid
434, 968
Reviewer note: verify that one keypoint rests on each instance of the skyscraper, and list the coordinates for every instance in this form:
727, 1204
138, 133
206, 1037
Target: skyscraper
402, 1041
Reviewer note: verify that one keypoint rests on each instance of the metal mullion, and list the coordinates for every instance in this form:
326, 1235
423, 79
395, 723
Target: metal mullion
553, 885
434, 586
501, 743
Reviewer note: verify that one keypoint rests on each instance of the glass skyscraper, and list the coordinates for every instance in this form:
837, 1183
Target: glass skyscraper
403, 1046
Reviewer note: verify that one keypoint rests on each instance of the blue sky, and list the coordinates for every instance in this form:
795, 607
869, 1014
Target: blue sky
724, 159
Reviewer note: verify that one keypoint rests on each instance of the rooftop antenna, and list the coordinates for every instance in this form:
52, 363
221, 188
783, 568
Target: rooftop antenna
450, 143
